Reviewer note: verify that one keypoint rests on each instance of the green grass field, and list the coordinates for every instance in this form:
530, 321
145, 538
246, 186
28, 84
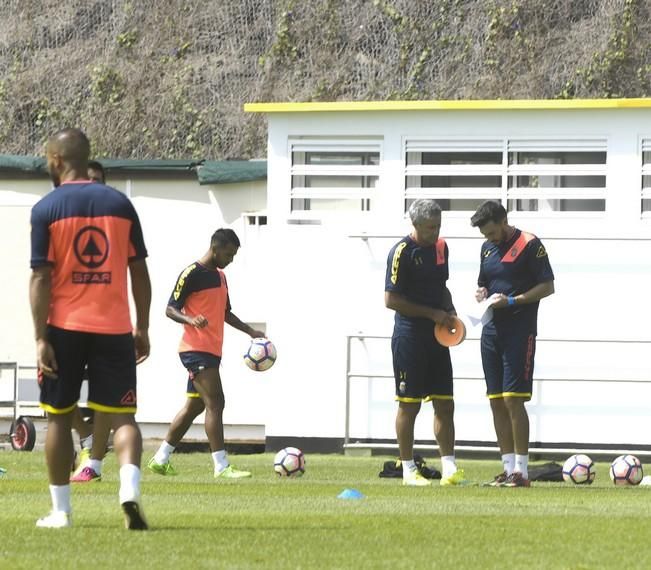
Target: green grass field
266, 522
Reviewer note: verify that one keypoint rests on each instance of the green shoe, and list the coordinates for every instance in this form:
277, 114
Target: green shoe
415, 479
231, 473
458, 478
161, 468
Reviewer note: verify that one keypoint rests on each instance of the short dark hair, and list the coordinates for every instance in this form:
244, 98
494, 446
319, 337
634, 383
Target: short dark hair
489, 211
94, 165
224, 236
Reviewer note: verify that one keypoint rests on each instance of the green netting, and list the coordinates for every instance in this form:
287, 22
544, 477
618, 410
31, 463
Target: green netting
223, 172
148, 165
148, 79
208, 172
22, 163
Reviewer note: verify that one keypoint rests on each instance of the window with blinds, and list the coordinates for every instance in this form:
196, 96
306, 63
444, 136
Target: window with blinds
556, 175
334, 175
458, 174
528, 175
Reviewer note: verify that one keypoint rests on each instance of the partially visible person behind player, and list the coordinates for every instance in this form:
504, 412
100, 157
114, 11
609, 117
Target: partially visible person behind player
96, 172
516, 274
415, 288
85, 238
200, 302
93, 439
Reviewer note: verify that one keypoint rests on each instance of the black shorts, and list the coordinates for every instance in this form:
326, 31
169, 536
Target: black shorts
508, 364
422, 369
111, 361
194, 363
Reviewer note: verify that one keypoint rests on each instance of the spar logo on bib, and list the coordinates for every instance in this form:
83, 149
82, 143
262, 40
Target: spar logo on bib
91, 247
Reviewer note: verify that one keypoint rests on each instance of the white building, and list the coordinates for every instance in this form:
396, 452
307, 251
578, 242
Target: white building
315, 241
576, 173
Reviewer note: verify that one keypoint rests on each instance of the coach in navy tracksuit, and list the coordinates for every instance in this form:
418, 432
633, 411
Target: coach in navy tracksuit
416, 289
514, 272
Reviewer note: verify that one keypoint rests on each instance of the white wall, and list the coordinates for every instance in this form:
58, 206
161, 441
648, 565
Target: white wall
16, 333
178, 220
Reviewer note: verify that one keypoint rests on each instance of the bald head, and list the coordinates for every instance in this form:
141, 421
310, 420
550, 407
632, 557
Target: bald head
71, 145
67, 155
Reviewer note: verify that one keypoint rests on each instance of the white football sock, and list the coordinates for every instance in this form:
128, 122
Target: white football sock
86, 442
60, 495
409, 468
220, 460
448, 465
163, 454
95, 465
508, 461
129, 483
522, 465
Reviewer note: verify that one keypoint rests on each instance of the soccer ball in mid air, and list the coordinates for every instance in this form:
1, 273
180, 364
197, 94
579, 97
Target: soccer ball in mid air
579, 469
626, 470
289, 462
260, 355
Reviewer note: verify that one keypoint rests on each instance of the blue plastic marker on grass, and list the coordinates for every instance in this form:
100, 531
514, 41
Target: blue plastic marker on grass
350, 494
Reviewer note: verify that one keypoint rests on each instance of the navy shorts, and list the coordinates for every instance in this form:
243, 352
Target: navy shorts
422, 369
508, 364
111, 362
195, 362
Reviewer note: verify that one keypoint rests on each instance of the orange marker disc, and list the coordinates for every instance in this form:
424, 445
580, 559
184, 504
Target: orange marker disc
447, 338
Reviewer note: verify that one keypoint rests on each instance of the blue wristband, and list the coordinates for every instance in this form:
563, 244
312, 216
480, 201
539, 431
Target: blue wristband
510, 300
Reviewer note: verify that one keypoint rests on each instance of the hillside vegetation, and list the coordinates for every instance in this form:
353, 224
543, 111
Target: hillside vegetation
149, 79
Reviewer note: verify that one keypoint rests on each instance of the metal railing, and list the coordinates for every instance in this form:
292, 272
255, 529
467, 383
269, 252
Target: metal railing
534, 447
17, 403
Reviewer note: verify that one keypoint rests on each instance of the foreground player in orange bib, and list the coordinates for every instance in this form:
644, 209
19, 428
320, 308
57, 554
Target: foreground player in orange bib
85, 238
416, 289
516, 273
201, 304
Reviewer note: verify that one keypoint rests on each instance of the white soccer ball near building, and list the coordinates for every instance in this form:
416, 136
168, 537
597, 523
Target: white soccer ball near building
289, 462
579, 469
260, 355
626, 470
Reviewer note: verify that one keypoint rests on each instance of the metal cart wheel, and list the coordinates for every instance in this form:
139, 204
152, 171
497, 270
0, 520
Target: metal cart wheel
22, 434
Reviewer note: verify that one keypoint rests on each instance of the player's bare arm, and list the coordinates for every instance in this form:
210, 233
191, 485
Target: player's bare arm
536, 293
141, 291
406, 308
236, 323
447, 302
40, 286
198, 321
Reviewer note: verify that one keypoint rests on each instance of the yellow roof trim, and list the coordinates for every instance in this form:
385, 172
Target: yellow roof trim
469, 105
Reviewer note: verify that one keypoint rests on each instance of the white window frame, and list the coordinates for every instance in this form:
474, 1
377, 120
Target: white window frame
506, 145
453, 144
334, 144
557, 144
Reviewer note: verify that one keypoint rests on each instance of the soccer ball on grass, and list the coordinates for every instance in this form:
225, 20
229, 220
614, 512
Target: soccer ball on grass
626, 470
260, 355
579, 469
289, 462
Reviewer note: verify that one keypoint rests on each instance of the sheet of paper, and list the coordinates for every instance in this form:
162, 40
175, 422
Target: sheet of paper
481, 312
